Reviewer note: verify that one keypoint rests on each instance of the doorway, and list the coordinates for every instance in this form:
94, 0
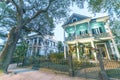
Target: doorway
104, 50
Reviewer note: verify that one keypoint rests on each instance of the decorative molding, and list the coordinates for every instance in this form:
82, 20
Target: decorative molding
78, 22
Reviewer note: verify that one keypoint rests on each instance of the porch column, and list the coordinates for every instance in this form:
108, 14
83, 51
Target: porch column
116, 49
92, 43
108, 54
64, 46
32, 46
114, 44
89, 29
37, 45
78, 56
64, 50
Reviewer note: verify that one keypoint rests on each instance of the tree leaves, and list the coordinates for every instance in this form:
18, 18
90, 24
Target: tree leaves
112, 7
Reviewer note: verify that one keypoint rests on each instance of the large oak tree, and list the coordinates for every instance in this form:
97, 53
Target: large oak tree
18, 16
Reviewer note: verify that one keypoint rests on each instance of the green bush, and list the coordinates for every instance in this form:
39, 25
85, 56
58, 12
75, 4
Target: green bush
56, 56
1, 71
114, 73
82, 64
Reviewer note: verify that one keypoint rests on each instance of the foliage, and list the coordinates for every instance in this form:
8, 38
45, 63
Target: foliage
116, 30
82, 64
60, 46
20, 52
1, 71
24, 16
114, 73
55, 56
112, 6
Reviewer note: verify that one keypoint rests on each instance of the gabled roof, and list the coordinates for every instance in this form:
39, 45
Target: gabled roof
74, 15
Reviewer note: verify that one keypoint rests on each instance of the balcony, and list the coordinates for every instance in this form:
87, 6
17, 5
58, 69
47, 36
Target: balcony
96, 36
101, 35
71, 38
83, 36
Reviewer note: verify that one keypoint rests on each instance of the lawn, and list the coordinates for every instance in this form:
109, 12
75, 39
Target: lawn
114, 73
1, 71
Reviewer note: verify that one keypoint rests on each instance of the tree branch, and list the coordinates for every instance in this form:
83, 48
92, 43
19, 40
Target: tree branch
17, 7
38, 13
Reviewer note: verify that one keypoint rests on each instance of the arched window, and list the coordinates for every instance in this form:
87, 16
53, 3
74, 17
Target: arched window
74, 19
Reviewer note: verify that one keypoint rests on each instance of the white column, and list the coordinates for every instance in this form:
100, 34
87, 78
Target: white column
107, 52
89, 29
64, 50
92, 43
37, 40
78, 56
64, 46
114, 44
37, 45
116, 49
32, 47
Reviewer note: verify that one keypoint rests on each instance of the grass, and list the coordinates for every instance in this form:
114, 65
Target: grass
1, 71
114, 73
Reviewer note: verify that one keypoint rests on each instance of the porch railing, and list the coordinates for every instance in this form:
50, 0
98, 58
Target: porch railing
101, 35
96, 36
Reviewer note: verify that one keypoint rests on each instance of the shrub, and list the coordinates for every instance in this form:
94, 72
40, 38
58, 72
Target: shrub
55, 56
82, 64
1, 71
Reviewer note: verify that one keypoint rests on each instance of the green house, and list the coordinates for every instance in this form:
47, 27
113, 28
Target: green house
92, 32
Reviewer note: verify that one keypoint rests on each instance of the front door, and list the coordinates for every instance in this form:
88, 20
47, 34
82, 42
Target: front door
104, 50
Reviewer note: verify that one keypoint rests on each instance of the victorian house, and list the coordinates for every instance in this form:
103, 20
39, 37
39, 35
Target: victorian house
38, 45
93, 32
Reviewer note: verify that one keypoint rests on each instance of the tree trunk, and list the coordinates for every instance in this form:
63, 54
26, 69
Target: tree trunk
6, 55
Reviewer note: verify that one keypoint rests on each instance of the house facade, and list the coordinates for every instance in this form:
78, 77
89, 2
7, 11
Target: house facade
38, 45
91, 32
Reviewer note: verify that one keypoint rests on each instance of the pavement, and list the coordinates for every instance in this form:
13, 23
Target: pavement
42, 74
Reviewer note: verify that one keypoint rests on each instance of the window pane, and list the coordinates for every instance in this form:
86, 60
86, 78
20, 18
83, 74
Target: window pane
100, 29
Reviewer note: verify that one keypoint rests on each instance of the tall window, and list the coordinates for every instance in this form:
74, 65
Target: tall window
35, 41
71, 34
40, 41
97, 30
83, 32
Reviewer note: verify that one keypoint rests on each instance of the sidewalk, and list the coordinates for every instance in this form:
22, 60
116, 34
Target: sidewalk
38, 75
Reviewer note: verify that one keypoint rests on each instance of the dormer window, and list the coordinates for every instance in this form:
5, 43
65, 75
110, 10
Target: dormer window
74, 19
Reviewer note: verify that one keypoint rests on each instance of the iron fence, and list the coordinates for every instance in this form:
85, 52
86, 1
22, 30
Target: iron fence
83, 68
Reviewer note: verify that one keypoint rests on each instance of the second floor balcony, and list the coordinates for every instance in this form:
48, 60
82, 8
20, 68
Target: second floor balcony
95, 36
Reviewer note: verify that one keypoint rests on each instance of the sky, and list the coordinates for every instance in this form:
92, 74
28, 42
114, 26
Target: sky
59, 32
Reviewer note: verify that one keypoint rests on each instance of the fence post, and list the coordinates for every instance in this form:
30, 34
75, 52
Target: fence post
102, 74
71, 71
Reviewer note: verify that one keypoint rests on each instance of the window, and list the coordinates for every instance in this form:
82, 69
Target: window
97, 30
74, 19
39, 42
28, 42
83, 32
35, 41
53, 43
